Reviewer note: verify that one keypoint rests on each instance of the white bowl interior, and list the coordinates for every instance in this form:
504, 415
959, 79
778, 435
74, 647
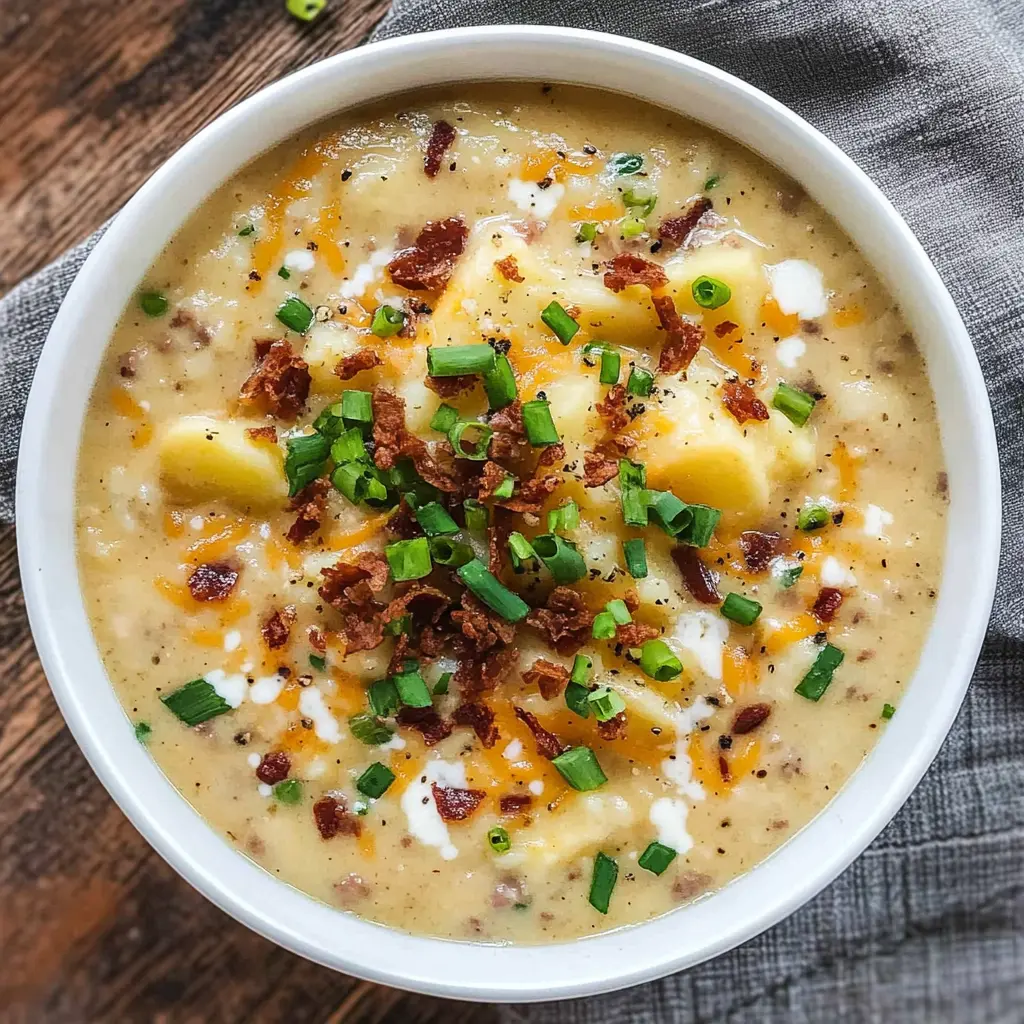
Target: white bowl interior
46, 498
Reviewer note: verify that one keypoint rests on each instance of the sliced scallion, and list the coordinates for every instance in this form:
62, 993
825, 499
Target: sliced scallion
632, 484
305, 460
656, 858
740, 609
630, 226
563, 325
143, 730
603, 627
640, 382
295, 314
441, 686
498, 840
606, 703
564, 518
505, 488
710, 292
435, 520
153, 304
619, 612
702, 526
444, 419
459, 360
639, 202
474, 433
450, 552
349, 447
476, 515
247, 230
576, 699
284, 273
289, 792
636, 557
581, 666
521, 550
812, 517
387, 321
561, 557
357, 408
602, 882
374, 782
888, 711
197, 701
611, 366
318, 661
580, 768
538, 424
412, 690
500, 384
409, 559
586, 232
819, 676
305, 10
658, 661
369, 729
484, 585
383, 697
625, 163
788, 576
794, 404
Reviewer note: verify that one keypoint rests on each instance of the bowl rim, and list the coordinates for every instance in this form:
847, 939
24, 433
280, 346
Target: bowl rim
46, 537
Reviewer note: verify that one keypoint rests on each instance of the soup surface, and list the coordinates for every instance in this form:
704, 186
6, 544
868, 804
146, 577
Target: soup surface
512, 513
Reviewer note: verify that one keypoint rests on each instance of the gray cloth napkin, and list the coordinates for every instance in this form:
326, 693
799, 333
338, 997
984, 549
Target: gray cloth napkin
928, 96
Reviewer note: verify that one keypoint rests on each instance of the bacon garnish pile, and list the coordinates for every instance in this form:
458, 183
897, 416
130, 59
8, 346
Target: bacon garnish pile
442, 135
279, 383
428, 263
393, 441
684, 338
742, 401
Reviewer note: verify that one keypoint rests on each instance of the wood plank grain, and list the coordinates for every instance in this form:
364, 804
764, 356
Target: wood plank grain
94, 94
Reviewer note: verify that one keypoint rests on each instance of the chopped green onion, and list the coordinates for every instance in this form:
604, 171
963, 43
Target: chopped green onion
789, 576
357, 408
606, 872
640, 381
740, 609
305, 461
305, 10
144, 729
288, 792
197, 701
709, 292
458, 360
361, 482
444, 419
441, 686
383, 697
603, 627
538, 424
701, 527
819, 676
640, 204
669, 512
476, 515
330, 422
412, 690
563, 325
812, 517
434, 519
409, 559
349, 447
153, 304
619, 612
611, 365
500, 384
295, 314
580, 768
318, 661
576, 699
498, 840
593, 350
658, 661
625, 163
581, 666
505, 488
387, 321
632, 483
284, 273
631, 226
480, 431
712, 182
511, 607
564, 518
521, 550
606, 703
374, 782
632, 474
794, 404
398, 626
587, 232
656, 858
247, 230
888, 711
369, 729
561, 557
636, 557
448, 551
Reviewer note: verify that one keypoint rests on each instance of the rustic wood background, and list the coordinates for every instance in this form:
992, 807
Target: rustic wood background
94, 95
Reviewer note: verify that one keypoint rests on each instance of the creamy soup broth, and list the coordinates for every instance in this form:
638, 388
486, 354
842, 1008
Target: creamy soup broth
184, 517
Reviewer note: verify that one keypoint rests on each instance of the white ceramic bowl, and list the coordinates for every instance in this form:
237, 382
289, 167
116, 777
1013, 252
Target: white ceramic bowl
46, 506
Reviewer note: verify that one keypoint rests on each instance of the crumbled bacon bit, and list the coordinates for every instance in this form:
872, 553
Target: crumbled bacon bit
278, 627
532, 493
723, 768
332, 818
480, 718
749, 718
427, 721
364, 359
742, 401
309, 503
428, 263
635, 634
758, 549
449, 387
565, 620
274, 767
551, 455
549, 678
262, 434
614, 728
700, 581
492, 477
482, 627
548, 744
497, 545
613, 408
827, 604
392, 441
628, 269
676, 230
598, 469
350, 588
212, 581
514, 803
442, 135
509, 435
509, 269
684, 338
724, 328
476, 675
128, 364
316, 639
278, 384
456, 804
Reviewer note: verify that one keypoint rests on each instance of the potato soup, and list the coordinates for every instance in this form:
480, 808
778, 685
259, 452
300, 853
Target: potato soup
510, 513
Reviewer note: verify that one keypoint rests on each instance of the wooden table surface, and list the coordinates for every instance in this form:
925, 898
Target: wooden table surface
94, 95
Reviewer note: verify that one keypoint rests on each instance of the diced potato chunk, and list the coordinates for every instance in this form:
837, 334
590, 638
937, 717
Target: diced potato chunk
738, 266
203, 459
795, 447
